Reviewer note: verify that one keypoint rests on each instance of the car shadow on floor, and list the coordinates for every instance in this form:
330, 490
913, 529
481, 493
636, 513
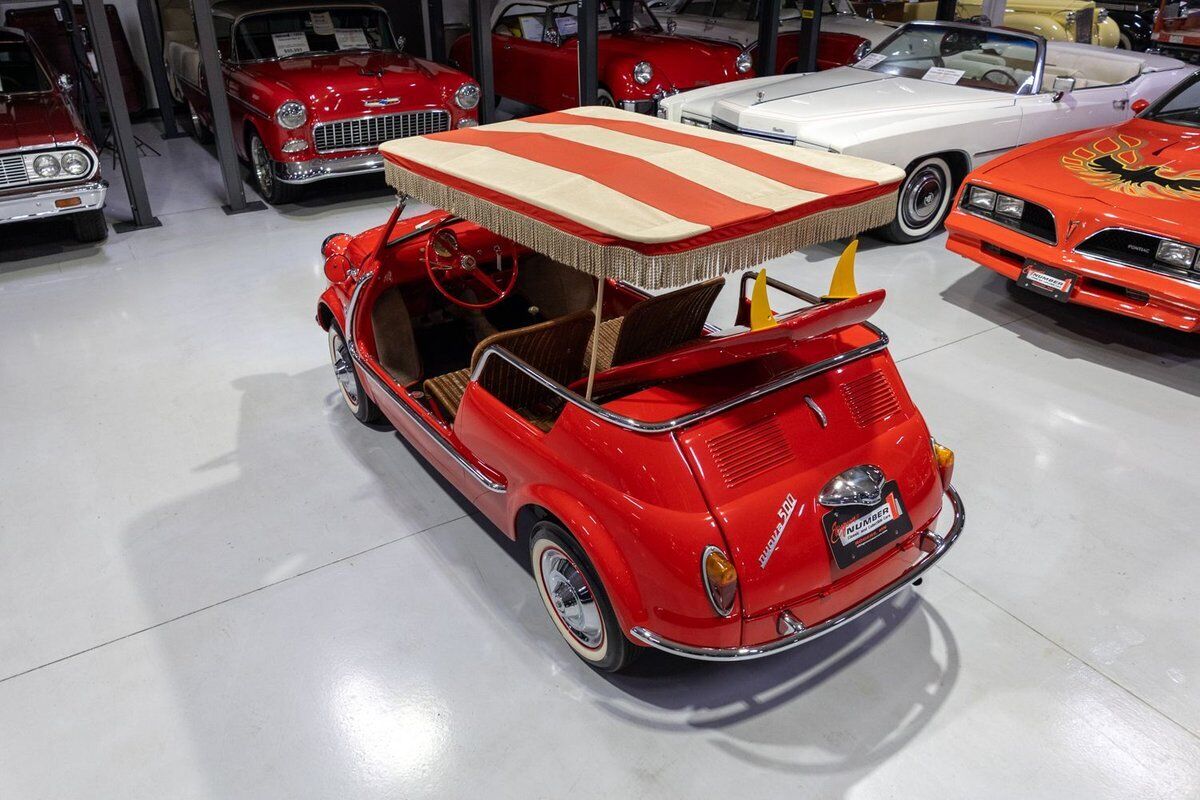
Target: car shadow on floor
25, 241
1151, 352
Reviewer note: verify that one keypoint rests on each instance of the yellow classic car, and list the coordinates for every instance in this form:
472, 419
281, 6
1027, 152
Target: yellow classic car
1055, 20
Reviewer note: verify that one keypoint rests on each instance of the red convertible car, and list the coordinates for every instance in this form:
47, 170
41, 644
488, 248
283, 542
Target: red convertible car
1104, 218
535, 56
717, 494
314, 88
48, 166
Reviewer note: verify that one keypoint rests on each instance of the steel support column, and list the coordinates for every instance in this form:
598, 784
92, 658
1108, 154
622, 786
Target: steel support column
810, 34
435, 31
118, 113
481, 57
88, 97
768, 36
214, 82
588, 52
152, 35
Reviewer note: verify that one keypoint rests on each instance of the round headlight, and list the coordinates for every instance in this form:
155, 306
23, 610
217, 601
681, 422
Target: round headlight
467, 96
292, 114
46, 166
1069, 17
75, 163
862, 51
743, 63
643, 72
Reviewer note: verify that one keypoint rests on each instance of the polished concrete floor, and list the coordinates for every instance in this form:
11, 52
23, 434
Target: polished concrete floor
215, 584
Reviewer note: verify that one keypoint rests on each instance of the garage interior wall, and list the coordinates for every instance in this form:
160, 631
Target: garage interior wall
455, 12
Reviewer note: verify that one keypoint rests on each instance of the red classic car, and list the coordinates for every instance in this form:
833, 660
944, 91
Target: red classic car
715, 494
314, 88
1177, 30
535, 56
1104, 218
48, 166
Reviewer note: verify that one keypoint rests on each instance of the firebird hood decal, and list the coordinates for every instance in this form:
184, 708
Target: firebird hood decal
1117, 163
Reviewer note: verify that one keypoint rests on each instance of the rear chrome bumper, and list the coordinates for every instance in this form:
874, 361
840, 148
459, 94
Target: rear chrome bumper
319, 169
935, 546
44, 203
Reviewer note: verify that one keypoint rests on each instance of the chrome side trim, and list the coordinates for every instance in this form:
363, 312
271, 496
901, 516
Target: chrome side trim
937, 545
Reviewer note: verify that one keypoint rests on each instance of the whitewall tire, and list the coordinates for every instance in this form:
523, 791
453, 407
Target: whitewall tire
924, 201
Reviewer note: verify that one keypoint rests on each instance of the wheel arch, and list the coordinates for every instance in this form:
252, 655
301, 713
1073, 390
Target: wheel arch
959, 161
545, 503
330, 311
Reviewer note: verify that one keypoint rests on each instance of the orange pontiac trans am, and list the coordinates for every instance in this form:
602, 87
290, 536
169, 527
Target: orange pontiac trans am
1108, 218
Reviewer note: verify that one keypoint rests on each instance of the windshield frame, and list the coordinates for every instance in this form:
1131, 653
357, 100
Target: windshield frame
552, 17
236, 23
1039, 62
36, 60
1150, 113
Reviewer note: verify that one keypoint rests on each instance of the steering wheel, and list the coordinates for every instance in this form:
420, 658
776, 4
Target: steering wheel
459, 271
1004, 77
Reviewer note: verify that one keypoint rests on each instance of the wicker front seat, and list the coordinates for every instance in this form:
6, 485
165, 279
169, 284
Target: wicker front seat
656, 325
554, 348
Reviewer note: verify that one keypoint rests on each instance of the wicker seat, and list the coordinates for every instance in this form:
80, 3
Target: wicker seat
554, 348
656, 325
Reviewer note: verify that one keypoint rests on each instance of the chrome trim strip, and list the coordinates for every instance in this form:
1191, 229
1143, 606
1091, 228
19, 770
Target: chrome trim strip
939, 547
1166, 270
319, 169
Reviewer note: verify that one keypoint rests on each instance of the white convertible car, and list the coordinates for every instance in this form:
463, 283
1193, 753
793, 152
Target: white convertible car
737, 20
938, 99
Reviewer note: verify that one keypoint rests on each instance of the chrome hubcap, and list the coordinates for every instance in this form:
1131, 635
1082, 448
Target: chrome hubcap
572, 598
344, 370
262, 165
922, 198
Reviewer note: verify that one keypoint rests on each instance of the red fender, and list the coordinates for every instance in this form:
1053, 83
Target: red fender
598, 543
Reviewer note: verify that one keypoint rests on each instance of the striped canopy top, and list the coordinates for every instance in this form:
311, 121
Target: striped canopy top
622, 195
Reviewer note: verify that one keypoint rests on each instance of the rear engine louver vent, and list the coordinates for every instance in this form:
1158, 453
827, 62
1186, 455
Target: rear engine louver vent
870, 398
749, 451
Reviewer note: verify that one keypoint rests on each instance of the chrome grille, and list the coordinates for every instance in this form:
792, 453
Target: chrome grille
352, 134
12, 171
1083, 25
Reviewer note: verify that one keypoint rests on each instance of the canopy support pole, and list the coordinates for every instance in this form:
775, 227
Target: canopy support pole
595, 337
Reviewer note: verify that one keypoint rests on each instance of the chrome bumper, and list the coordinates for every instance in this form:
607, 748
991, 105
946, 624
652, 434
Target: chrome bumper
319, 169
39, 204
937, 547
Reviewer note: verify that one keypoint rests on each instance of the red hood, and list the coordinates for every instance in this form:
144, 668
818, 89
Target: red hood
338, 82
676, 58
1139, 169
33, 120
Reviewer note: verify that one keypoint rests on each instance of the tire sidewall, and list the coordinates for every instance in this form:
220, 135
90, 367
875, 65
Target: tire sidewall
615, 651
363, 410
898, 231
605, 98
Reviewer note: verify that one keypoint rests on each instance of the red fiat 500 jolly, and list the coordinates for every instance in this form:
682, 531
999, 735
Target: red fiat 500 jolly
717, 494
535, 56
314, 88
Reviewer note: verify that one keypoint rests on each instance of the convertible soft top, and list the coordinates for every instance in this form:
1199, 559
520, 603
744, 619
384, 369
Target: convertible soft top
630, 197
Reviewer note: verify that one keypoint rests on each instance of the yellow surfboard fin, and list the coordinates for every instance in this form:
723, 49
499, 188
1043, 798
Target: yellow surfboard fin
842, 287
760, 309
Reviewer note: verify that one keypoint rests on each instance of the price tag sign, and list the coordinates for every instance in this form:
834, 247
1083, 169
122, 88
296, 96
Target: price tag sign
870, 60
943, 75
322, 23
289, 44
351, 39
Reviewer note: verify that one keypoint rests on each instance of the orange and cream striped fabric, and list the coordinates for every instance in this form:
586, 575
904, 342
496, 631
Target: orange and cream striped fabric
622, 195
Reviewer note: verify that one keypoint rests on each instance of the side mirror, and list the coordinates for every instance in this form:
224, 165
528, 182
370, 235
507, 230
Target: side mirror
1140, 105
65, 83
1062, 87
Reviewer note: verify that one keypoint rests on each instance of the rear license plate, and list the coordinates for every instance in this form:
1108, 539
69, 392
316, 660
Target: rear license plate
1049, 281
855, 532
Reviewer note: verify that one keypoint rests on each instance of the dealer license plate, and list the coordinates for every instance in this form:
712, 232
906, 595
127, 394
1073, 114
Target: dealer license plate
854, 532
1049, 281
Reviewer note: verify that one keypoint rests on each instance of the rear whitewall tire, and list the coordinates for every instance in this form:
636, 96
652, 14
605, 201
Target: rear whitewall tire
575, 599
924, 201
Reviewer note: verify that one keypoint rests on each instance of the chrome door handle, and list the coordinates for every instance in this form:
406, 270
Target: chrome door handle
1120, 105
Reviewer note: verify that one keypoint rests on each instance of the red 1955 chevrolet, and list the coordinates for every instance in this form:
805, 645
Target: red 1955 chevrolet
717, 494
314, 88
48, 166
